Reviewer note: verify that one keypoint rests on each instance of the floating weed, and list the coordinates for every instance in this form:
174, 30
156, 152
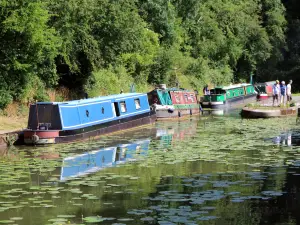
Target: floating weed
125, 219
6, 221
93, 219
16, 218
58, 220
66, 216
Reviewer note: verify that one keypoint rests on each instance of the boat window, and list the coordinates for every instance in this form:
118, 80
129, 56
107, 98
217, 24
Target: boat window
137, 103
117, 108
216, 91
87, 113
186, 97
123, 106
102, 110
177, 99
192, 97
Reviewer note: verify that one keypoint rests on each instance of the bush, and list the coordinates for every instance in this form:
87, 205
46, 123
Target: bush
108, 81
5, 98
35, 90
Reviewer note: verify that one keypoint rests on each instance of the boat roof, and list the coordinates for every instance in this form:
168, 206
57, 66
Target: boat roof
232, 86
172, 89
95, 99
267, 83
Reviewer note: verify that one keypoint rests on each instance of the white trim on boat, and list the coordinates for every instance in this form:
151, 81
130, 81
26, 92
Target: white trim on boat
80, 105
212, 103
216, 103
118, 99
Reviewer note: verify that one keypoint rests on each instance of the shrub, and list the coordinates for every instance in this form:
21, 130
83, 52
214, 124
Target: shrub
5, 98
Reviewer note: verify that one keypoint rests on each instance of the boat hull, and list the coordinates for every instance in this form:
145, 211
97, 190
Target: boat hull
262, 96
176, 113
40, 137
220, 105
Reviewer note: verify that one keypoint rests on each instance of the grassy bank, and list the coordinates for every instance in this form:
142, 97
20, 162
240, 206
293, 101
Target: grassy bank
8, 124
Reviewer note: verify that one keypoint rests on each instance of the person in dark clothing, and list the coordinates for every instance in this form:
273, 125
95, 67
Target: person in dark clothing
206, 90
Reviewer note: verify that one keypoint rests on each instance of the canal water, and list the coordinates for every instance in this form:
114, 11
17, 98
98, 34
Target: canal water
205, 170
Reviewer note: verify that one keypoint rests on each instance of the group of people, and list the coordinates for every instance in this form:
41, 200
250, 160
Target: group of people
282, 92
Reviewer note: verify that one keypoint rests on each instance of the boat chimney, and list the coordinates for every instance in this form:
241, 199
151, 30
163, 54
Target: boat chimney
162, 86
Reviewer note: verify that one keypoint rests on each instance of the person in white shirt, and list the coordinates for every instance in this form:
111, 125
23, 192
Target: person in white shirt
276, 91
282, 92
289, 91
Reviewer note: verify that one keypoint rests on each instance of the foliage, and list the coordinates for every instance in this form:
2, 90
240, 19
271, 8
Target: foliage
28, 46
101, 46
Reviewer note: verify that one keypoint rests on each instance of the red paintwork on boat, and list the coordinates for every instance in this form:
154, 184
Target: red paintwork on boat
41, 134
183, 97
269, 89
263, 97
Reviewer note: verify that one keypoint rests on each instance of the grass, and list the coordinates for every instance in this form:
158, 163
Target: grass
295, 94
8, 124
258, 106
13, 118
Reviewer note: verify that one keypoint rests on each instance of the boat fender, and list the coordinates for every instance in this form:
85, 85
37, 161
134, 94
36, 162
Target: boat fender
191, 112
170, 110
35, 138
179, 114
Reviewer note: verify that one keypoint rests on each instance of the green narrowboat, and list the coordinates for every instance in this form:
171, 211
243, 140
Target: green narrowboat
221, 95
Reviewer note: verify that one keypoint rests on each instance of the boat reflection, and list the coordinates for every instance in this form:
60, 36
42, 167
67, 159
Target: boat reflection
288, 139
215, 112
119, 153
93, 161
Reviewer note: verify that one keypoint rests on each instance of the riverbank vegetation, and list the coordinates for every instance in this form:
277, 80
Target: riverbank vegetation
99, 47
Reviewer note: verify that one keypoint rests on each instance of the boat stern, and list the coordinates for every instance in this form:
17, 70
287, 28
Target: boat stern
40, 137
262, 96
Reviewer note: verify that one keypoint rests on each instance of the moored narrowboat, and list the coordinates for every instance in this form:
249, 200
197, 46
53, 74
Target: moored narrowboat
264, 90
220, 96
57, 122
173, 102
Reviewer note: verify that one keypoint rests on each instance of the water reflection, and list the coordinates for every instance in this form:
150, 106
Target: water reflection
290, 138
118, 153
93, 161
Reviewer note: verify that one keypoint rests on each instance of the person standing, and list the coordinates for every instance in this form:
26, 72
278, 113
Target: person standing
289, 91
282, 92
206, 90
276, 91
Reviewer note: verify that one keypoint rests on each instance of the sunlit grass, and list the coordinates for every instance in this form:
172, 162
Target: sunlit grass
12, 123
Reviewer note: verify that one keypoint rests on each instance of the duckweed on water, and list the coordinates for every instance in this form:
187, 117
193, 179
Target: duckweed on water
196, 171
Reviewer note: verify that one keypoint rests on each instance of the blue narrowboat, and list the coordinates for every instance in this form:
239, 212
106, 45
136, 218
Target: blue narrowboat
57, 122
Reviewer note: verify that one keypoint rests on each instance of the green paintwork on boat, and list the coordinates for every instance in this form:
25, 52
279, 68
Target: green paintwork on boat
164, 97
186, 106
224, 93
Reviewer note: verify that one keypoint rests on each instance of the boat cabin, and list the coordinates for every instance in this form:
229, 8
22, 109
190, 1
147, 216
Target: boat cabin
224, 93
172, 96
265, 87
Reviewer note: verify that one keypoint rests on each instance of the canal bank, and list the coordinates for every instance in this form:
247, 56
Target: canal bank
266, 109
